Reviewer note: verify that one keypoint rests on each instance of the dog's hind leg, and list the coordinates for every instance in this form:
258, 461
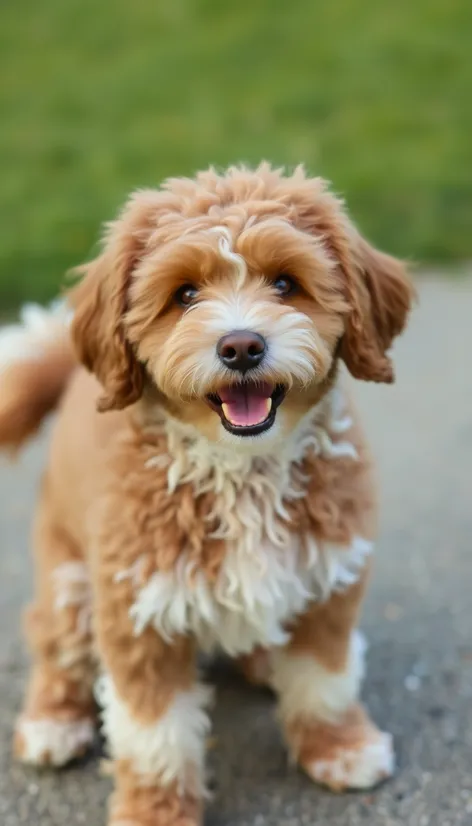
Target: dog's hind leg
57, 723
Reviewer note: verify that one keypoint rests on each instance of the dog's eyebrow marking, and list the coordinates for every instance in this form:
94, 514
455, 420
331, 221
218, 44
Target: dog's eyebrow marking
225, 242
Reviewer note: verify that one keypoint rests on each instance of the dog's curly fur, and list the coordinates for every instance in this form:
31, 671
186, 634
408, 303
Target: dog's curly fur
163, 526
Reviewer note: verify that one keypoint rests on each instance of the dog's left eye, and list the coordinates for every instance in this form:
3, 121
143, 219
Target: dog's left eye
284, 284
186, 295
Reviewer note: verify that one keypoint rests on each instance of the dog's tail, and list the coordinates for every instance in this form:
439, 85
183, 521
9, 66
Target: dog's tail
36, 360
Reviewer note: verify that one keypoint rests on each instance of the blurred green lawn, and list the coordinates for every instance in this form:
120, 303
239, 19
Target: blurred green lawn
100, 96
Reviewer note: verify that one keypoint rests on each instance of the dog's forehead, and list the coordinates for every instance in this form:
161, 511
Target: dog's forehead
236, 199
208, 223
238, 246
229, 222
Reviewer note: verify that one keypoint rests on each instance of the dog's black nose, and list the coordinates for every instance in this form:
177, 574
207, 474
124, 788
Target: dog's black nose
241, 350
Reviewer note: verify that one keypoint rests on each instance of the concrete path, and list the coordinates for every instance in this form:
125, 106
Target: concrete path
418, 620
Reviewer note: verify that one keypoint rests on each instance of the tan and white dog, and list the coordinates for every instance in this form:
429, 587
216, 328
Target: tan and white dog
208, 486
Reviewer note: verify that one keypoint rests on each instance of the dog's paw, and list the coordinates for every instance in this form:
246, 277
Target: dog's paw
49, 742
161, 817
138, 802
351, 753
355, 767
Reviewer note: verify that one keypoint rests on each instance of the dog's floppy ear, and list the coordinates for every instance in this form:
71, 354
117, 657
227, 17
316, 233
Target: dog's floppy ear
99, 302
380, 294
377, 289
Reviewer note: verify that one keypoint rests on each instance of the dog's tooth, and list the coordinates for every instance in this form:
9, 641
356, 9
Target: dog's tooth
225, 409
268, 405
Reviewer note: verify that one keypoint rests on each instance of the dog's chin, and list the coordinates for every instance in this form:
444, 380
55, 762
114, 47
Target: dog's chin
247, 410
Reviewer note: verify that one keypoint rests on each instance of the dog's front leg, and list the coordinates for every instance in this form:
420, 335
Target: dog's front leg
154, 713
318, 677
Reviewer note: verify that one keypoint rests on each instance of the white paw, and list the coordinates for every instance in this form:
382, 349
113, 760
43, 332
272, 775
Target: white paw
360, 768
52, 742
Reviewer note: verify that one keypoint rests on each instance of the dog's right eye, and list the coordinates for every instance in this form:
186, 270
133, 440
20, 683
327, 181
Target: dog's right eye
186, 295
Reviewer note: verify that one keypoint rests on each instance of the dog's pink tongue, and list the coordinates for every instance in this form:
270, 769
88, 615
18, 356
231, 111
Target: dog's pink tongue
246, 405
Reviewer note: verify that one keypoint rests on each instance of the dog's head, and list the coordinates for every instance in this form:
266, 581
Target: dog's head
229, 299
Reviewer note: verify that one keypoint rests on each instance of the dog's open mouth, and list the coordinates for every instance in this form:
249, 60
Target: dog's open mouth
249, 408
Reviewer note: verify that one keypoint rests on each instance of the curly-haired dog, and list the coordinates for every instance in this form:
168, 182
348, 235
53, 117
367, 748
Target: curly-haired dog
209, 485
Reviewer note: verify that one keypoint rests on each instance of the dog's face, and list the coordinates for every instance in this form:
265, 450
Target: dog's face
229, 299
237, 327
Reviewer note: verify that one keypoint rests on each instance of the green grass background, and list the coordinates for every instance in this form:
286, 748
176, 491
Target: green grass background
100, 96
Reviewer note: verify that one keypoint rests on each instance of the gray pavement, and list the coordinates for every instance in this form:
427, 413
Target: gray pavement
418, 620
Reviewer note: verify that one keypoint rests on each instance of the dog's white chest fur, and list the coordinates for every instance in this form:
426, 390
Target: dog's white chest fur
267, 576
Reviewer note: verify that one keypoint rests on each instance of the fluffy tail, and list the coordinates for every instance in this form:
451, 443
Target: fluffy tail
36, 360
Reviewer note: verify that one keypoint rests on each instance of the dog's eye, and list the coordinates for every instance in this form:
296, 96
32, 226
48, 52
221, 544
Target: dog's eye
186, 295
284, 284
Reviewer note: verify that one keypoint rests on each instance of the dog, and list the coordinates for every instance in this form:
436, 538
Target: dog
209, 485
